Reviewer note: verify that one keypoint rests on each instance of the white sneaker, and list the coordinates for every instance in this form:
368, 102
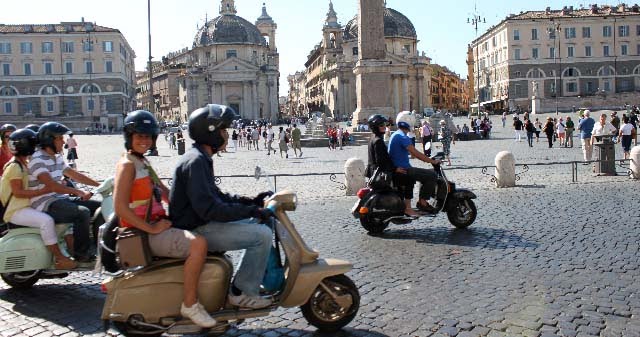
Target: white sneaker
249, 302
198, 315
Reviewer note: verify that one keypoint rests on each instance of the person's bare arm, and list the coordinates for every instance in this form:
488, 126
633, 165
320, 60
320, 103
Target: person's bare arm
414, 152
79, 177
57, 187
20, 192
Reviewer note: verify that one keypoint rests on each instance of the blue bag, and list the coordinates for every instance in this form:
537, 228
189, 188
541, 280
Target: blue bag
273, 279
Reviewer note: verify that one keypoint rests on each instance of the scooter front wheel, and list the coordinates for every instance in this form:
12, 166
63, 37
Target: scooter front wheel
333, 304
21, 280
463, 214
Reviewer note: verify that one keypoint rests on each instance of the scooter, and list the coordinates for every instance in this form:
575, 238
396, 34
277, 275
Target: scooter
378, 208
24, 259
328, 299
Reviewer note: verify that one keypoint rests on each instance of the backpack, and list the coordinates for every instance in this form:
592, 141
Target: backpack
286, 138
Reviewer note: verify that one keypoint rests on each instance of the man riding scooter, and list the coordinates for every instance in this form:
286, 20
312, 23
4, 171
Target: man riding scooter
400, 147
46, 169
196, 204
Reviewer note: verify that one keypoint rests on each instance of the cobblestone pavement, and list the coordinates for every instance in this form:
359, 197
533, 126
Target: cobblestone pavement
547, 258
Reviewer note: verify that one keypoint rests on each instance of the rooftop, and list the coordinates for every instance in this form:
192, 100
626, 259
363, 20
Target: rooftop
58, 28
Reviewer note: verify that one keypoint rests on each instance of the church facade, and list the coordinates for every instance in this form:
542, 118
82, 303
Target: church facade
329, 81
232, 62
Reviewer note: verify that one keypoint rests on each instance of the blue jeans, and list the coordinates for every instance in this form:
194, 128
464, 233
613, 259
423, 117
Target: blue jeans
245, 234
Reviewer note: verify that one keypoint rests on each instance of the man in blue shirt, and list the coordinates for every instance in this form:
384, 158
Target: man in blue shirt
400, 148
586, 128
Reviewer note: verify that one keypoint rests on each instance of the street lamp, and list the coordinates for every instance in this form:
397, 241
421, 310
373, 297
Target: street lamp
554, 31
150, 66
474, 20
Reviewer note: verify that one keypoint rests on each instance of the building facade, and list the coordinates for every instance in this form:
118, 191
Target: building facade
562, 59
329, 81
448, 90
76, 72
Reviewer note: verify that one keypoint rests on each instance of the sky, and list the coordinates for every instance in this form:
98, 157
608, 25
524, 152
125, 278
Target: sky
442, 27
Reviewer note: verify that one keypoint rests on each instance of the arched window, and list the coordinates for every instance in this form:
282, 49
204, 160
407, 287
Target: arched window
8, 91
606, 71
636, 70
571, 72
49, 90
90, 89
535, 73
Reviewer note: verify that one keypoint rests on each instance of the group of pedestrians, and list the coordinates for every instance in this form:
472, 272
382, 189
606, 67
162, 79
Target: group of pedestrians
250, 139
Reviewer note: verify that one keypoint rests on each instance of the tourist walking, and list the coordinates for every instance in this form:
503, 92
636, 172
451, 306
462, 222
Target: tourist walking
283, 139
504, 119
296, 135
234, 139
615, 121
548, 129
627, 133
339, 135
446, 137
517, 126
172, 141
426, 134
249, 139
538, 126
531, 129
255, 138
270, 138
560, 128
72, 150
569, 128
586, 129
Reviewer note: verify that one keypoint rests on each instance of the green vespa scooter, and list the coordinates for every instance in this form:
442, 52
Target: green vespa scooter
24, 259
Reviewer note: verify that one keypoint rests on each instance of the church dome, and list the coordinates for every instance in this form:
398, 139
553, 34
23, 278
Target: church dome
395, 25
228, 29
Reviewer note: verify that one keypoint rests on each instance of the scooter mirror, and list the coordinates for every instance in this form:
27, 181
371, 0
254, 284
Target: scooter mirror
257, 173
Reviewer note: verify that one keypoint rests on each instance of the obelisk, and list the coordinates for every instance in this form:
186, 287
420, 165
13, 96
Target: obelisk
372, 70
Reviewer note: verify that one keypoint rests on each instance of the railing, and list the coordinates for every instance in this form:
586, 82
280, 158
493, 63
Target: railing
333, 176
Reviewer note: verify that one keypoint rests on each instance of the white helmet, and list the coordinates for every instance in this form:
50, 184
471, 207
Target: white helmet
407, 117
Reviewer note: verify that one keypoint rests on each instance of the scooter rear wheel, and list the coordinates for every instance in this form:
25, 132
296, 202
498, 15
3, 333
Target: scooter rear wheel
323, 312
373, 225
131, 331
21, 280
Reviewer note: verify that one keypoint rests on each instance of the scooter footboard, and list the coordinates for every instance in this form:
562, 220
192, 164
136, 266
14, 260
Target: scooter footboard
309, 278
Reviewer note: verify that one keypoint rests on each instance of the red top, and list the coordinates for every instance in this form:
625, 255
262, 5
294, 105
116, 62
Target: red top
5, 157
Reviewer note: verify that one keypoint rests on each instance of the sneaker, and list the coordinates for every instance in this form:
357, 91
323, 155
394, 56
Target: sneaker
249, 302
198, 315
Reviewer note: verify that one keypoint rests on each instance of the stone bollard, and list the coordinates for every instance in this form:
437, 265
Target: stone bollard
505, 169
635, 162
354, 175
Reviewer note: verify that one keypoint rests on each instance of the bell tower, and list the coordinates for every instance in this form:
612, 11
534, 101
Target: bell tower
267, 27
332, 37
228, 7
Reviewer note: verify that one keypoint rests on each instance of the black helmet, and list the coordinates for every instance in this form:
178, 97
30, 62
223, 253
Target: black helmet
205, 122
33, 127
141, 122
376, 121
23, 142
48, 132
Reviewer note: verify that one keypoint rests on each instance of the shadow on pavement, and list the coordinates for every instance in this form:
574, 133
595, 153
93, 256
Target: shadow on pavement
345, 332
493, 238
76, 307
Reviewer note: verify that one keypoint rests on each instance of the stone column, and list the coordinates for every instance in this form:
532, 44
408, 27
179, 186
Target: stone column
505, 169
372, 70
223, 94
354, 175
635, 162
420, 86
405, 93
254, 97
244, 104
396, 93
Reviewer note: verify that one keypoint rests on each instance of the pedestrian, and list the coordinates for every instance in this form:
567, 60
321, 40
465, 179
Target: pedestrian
504, 119
340, 134
548, 129
569, 128
517, 126
615, 121
446, 137
560, 127
531, 129
603, 128
255, 137
283, 140
72, 153
586, 126
234, 138
426, 134
296, 135
626, 134
538, 126
249, 139
270, 138
172, 141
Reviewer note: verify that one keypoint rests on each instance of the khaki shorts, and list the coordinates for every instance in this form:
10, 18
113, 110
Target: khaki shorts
173, 243
296, 144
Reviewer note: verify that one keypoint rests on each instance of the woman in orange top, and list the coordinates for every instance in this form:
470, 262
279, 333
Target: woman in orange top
138, 192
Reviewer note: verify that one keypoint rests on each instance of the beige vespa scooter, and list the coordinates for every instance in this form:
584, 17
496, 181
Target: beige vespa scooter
147, 302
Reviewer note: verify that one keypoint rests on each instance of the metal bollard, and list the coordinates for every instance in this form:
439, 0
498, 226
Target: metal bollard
635, 162
354, 175
505, 169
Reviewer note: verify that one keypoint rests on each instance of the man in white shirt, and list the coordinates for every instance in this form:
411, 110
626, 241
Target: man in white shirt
602, 128
270, 135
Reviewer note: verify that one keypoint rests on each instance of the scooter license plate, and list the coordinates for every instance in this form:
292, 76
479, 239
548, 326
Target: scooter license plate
355, 208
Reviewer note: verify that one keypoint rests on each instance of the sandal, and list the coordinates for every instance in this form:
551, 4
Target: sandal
65, 264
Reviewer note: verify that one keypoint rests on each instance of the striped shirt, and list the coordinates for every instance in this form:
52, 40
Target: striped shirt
42, 162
